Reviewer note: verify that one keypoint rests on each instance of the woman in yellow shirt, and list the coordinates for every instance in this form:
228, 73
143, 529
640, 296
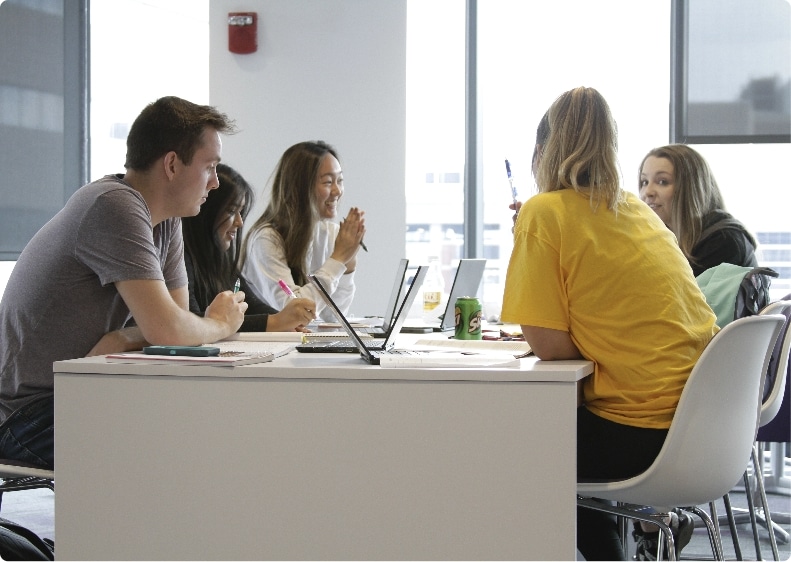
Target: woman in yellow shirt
595, 274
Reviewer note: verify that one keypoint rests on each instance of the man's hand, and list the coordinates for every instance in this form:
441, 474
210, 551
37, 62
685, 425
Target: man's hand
228, 308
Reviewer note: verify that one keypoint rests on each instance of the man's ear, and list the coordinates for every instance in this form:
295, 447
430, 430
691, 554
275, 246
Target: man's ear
171, 164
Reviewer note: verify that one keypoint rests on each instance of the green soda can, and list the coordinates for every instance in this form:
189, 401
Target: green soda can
468, 318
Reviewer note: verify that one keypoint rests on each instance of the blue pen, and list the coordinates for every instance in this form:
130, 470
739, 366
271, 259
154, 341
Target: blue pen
237, 285
511, 180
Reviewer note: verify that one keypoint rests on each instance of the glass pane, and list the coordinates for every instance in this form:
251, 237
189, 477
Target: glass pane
31, 121
177, 27
739, 68
524, 65
435, 133
747, 177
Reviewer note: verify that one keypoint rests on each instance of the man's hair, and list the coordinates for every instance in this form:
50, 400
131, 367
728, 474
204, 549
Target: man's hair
171, 124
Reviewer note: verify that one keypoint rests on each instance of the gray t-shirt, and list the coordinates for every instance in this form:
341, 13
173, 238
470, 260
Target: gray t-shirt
61, 296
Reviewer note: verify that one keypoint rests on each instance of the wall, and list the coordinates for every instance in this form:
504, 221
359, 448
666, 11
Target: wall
334, 71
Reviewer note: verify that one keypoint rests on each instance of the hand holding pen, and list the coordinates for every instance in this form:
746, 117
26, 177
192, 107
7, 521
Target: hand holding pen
516, 205
296, 314
511, 180
350, 238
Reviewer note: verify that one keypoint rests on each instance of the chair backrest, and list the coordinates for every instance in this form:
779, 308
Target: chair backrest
712, 433
735, 291
778, 365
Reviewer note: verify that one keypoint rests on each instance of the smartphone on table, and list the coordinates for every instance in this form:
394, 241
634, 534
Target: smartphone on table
191, 350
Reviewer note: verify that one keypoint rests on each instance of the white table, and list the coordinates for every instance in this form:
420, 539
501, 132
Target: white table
315, 456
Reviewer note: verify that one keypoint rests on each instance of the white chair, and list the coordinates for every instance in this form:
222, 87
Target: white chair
769, 409
711, 436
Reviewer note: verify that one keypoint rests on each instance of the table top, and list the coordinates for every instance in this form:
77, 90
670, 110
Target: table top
344, 366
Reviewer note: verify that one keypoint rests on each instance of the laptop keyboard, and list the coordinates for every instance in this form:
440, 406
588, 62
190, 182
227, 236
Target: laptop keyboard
397, 352
346, 343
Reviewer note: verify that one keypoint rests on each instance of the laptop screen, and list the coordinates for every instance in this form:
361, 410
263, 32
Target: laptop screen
400, 317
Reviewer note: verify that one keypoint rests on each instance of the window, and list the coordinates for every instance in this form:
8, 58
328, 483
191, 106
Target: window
117, 53
522, 67
732, 71
435, 133
40, 106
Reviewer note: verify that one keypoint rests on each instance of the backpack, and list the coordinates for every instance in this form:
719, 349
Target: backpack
735, 291
20, 543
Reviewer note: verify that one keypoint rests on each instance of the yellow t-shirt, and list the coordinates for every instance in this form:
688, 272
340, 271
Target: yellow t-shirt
618, 283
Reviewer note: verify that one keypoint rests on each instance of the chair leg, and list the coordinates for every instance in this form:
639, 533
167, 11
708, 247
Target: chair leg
714, 537
748, 493
737, 548
759, 481
623, 530
664, 528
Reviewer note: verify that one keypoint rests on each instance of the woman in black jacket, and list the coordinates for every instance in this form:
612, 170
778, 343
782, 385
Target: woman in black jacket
676, 181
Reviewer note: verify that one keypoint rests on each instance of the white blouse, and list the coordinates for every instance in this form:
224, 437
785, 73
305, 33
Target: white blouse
266, 264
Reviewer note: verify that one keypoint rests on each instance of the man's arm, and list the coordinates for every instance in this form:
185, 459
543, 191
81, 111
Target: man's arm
549, 344
163, 318
118, 341
130, 338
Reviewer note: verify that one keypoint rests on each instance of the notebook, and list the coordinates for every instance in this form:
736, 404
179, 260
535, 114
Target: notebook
350, 344
466, 283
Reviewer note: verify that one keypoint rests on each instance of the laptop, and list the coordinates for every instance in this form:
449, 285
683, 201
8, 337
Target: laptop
392, 304
355, 342
465, 284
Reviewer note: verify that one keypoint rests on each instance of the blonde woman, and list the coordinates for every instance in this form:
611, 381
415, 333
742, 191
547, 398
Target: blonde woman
595, 274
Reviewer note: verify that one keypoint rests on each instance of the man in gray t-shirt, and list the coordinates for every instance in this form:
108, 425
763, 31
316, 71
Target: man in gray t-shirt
112, 253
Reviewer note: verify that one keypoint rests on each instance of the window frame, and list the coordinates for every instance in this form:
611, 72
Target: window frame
679, 87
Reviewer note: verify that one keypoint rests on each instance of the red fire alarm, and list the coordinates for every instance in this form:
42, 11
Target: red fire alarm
242, 32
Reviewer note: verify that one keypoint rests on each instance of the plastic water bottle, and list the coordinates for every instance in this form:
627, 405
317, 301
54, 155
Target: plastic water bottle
433, 288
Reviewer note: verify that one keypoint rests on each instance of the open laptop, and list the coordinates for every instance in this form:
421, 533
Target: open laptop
355, 342
392, 304
465, 284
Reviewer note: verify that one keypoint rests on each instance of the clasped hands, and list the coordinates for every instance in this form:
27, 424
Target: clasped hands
350, 235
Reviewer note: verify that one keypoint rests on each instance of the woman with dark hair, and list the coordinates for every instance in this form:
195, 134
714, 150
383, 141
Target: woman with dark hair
212, 243
296, 235
677, 183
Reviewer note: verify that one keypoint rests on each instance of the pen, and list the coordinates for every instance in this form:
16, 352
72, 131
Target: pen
362, 244
510, 180
237, 285
286, 289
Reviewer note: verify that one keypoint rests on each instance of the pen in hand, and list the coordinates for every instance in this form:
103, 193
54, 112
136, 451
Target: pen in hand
364, 247
511, 182
237, 285
286, 289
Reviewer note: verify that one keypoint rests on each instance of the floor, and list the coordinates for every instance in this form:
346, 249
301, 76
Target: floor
35, 509
700, 549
